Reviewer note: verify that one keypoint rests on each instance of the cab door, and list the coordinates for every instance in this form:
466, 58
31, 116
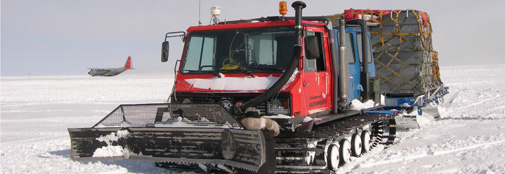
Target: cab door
355, 64
316, 72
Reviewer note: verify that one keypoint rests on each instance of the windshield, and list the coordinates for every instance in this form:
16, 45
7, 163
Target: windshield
239, 50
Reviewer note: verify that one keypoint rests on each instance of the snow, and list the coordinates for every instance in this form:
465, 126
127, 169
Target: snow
279, 116
202, 123
469, 138
234, 83
358, 106
36, 112
111, 150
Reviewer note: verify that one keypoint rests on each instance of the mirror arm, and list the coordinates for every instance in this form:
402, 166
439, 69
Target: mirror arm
165, 44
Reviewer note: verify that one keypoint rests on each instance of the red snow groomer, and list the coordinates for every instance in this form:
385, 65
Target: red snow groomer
259, 95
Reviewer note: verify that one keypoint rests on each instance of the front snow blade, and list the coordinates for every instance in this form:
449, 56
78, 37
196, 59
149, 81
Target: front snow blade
95, 143
417, 118
407, 122
413, 121
171, 133
238, 148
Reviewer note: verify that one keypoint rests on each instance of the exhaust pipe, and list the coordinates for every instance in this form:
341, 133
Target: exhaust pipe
298, 6
293, 65
344, 69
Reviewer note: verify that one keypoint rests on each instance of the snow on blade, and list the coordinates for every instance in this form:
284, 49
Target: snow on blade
202, 123
111, 150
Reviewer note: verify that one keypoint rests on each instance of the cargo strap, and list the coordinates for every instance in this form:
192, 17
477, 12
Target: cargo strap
377, 16
430, 67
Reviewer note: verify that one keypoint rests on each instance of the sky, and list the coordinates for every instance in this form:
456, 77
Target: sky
65, 37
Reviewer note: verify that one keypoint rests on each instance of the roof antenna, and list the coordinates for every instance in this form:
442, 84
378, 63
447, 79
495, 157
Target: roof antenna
199, 11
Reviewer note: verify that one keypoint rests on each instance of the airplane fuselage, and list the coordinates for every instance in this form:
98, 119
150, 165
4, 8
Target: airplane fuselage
110, 71
106, 72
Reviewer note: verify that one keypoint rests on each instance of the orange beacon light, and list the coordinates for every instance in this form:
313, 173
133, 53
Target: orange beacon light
283, 8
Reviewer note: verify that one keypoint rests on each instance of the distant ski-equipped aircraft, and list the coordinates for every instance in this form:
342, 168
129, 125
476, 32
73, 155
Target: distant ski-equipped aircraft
110, 71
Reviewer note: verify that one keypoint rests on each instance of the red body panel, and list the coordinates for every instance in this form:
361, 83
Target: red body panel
242, 25
317, 88
310, 92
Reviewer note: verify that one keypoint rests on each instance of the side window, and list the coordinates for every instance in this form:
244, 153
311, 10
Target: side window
360, 47
314, 52
350, 48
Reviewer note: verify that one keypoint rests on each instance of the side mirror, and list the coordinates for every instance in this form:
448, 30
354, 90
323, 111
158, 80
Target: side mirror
164, 51
312, 47
164, 45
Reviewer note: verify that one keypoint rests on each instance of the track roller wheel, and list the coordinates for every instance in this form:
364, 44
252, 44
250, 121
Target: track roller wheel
366, 141
356, 144
333, 157
345, 151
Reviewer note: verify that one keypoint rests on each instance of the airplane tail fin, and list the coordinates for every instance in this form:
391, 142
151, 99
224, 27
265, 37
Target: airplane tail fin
128, 64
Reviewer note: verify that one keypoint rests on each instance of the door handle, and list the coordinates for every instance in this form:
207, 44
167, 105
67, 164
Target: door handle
306, 84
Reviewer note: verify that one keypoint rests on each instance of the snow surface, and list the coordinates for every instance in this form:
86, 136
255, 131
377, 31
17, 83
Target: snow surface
36, 112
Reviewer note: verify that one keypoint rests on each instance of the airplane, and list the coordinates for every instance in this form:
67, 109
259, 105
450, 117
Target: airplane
110, 71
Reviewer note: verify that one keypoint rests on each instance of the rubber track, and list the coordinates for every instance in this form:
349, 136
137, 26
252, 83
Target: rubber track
292, 148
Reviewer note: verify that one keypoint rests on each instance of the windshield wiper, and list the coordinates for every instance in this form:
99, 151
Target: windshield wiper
215, 73
244, 71
267, 68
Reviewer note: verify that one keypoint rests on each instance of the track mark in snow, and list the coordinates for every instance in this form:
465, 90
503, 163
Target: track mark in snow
430, 154
356, 162
489, 100
393, 160
452, 97
436, 153
31, 139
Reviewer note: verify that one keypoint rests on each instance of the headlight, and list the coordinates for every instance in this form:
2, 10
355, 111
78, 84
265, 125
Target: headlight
186, 101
